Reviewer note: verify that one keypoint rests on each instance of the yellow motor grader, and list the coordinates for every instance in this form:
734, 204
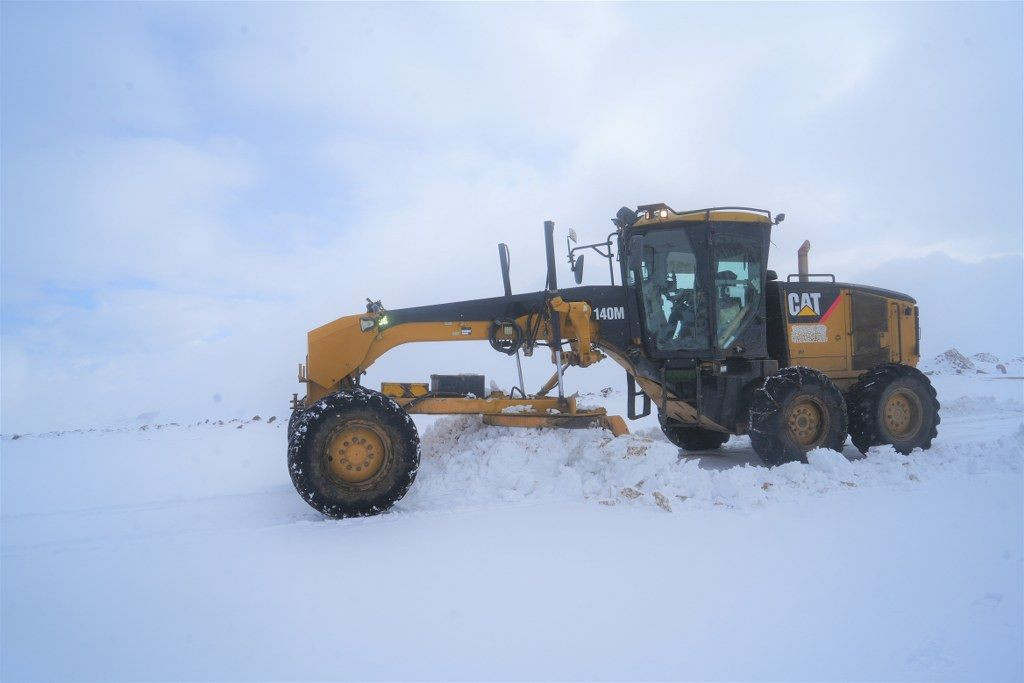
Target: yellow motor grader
707, 335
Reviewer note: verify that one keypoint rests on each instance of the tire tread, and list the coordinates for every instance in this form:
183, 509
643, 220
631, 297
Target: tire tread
766, 405
862, 403
389, 413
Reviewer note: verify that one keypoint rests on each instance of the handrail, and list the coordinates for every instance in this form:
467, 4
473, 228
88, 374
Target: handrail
789, 278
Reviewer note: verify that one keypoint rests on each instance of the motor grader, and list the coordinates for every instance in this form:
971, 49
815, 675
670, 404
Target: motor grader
707, 334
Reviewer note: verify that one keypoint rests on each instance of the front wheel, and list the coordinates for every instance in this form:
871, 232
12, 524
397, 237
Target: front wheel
893, 404
796, 410
353, 453
293, 421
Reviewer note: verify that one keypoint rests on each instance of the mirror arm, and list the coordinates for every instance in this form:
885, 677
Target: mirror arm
606, 253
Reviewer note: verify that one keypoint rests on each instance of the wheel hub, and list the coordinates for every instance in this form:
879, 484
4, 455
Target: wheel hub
902, 414
805, 423
356, 452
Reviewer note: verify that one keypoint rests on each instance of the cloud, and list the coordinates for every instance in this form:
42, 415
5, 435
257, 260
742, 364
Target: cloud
271, 166
971, 305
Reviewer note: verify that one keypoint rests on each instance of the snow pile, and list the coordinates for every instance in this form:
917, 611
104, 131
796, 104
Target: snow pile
950, 362
972, 405
466, 463
953, 362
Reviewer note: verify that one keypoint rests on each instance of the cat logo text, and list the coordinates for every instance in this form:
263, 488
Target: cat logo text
804, 303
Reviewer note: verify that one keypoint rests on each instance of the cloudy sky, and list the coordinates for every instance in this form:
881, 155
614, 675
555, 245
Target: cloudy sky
188, 188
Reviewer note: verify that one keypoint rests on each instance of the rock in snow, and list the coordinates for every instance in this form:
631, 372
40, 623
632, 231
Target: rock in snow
953, 362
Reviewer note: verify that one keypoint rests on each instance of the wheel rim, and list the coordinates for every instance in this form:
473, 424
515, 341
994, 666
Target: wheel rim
807, 422
356, 452
901, 414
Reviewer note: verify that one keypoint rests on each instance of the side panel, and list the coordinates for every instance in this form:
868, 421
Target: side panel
884, 329
844, 330
870, 329
904, 315
816, 318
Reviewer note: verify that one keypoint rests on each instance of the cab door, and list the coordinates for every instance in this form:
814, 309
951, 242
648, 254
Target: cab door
670, 286
738, 270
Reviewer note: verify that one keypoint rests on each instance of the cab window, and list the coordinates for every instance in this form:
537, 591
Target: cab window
738, 286
674, 299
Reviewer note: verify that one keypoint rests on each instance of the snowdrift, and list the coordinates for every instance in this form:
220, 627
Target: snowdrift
466, 463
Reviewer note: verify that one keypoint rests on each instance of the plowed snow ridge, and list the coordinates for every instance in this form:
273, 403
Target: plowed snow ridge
468, 463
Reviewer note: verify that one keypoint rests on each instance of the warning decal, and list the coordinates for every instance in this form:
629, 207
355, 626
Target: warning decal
808, 334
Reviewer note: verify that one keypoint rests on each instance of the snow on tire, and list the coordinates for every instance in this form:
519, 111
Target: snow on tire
893, 404
293, 422
797, 410
353, 453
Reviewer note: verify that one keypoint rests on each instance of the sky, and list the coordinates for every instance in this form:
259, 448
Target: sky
187, 189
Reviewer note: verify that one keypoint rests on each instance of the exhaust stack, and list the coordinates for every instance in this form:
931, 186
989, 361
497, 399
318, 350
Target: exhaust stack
801, 261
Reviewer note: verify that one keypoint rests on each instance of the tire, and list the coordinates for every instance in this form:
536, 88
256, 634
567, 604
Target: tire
293, 421
353, 453
893, 404
795, 411
691, 438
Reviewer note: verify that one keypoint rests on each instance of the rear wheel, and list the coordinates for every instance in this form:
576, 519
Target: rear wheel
795, 411
353, 453
893, 404
691, 438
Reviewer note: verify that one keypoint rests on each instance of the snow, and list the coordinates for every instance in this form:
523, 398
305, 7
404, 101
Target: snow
182, 552
953, 362
523, 408
474, 464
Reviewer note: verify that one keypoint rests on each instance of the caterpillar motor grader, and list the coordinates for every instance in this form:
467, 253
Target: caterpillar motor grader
706, 333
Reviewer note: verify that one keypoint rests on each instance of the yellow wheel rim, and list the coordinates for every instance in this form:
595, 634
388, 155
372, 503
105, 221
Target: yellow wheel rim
356, 452
806, 423
902, 414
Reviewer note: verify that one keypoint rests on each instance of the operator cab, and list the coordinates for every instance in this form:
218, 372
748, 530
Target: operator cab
698, 279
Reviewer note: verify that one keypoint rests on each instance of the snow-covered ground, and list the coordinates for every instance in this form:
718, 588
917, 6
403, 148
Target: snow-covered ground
953, 362
182, 552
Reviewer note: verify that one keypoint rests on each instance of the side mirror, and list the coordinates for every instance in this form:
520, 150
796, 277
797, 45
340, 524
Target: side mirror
636, 252
771, 275
577, 269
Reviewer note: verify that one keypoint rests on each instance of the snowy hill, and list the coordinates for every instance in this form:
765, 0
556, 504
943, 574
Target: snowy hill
183, 551
953, 362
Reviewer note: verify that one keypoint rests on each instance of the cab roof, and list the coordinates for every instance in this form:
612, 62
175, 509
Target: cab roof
650, 215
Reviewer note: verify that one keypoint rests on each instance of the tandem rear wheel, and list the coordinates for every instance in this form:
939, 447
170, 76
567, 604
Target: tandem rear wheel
893, 404
353, 453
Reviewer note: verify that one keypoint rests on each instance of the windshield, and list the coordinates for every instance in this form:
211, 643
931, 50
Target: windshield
675, 299
737, 284
680, 296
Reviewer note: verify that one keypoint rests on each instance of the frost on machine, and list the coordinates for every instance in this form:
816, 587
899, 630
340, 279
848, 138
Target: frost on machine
707, 335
